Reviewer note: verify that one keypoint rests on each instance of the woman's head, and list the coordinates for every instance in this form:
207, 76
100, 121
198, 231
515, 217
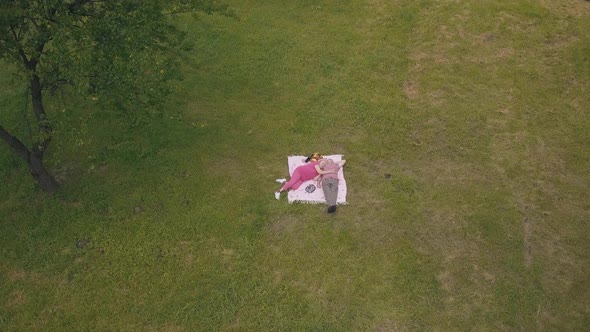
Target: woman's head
314, 157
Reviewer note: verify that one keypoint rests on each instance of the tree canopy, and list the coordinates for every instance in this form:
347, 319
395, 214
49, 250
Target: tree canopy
120, 53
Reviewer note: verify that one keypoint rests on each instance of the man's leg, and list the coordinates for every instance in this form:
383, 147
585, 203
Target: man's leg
330, 187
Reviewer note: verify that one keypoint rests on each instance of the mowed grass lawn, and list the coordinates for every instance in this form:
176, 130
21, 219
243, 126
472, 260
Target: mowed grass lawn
466, 129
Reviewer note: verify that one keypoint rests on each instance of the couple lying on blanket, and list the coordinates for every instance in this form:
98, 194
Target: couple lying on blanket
323, 170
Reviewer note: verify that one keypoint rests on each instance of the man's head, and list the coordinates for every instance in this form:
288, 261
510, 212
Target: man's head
326, 162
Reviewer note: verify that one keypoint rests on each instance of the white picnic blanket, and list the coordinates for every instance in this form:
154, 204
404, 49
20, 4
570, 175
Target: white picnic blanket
317, 196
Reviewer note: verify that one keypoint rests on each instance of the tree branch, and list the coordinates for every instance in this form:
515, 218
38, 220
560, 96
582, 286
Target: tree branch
4, 45
44, 128
20, 50
34, 21
75, 6
15, 144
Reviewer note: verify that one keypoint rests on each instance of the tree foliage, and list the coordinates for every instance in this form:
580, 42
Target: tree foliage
121, 53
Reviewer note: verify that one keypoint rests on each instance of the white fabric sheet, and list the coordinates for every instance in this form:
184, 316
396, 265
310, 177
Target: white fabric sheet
317, 196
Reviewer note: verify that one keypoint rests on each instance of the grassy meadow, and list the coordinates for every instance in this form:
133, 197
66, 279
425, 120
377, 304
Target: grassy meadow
466, 128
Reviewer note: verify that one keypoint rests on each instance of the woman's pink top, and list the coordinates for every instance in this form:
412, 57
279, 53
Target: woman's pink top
307, 171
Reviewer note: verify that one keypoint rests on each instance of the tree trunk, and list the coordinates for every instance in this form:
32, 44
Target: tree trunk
45, 180
35, 159
34, 156
44, 128
35, 163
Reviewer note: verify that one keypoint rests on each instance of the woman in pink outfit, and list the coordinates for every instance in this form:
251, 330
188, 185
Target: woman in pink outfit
303, 173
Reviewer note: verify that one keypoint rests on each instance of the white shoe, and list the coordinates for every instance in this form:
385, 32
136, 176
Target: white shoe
281, 181
277, 195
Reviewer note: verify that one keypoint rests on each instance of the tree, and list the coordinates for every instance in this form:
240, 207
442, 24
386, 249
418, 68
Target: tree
119, 52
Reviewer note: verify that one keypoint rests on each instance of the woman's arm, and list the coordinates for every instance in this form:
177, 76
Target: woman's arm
318, 180
321, 171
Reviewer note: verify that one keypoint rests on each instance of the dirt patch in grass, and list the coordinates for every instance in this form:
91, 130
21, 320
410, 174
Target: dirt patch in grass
226, 167
16, 298
410, 89
528, 164
575, 8
284, 224
16, 274
189, 259
434, 56
388, 325
447, 282
169, 327
527, 233
559, 42
184, 250
448, 172
445, 234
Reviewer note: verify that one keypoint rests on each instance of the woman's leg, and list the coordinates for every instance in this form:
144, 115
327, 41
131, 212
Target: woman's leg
297, 184
293, 181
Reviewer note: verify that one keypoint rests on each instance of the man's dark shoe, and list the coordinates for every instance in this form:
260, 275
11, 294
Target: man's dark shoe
331, 208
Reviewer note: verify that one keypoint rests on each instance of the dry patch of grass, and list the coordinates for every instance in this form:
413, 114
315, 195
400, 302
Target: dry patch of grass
16, 299
16, 275
389, 325
527, 231
525, 170
575, 8
285, 224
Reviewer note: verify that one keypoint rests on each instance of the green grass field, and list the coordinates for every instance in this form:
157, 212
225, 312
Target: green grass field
466, 128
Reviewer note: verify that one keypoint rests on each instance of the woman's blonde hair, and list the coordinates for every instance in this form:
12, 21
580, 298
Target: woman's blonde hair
314, 157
